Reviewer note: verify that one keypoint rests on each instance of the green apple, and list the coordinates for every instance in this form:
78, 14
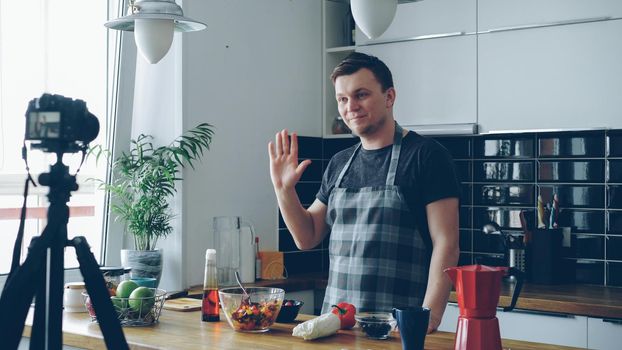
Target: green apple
125, 288
119, 303
142, 300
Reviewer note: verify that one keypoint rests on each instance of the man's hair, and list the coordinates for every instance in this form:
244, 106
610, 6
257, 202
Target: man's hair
356, 61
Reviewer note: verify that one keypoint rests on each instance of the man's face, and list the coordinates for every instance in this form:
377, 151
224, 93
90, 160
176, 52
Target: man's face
361, 102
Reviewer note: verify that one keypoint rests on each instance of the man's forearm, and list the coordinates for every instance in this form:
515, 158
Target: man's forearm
439, 284
297, 218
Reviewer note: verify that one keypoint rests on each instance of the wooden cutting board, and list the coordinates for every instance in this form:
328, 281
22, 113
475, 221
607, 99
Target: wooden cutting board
182, 304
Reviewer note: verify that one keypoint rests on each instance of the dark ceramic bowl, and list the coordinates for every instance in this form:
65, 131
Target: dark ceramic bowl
289, 312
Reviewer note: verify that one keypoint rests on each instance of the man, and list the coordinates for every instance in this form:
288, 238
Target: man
390, 203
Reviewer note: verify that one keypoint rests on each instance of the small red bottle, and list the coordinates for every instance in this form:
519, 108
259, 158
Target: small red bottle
210, 309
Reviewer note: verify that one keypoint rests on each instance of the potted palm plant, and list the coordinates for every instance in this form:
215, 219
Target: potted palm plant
143, 182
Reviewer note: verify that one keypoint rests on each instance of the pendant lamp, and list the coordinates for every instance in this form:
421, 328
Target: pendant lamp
373, 16
153, 23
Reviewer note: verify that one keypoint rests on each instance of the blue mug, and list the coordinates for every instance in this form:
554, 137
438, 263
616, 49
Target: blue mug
413, 326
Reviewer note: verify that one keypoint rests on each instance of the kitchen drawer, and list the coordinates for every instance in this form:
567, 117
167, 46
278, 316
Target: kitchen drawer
558, 329
496, 14
604, 334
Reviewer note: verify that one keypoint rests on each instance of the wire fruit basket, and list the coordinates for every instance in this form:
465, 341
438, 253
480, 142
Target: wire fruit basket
133, 312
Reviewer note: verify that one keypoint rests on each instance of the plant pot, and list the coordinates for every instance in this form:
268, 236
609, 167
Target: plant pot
144, 263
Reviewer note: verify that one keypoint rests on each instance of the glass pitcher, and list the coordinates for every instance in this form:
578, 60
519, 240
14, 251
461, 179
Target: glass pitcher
228, 243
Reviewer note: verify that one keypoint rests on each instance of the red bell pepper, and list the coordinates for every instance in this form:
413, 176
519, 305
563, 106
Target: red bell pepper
345, 312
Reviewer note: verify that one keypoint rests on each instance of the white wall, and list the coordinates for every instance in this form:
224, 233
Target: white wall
255, 70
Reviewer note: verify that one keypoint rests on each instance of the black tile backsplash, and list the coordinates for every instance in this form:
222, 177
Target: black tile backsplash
458, 147
571, 171
504, 146
306, 191
614, 248
589, 246
463, 170
571, 196
588, 221
485, 171
614, 196
507, 218
614, 171
572, 144
614, 222
614, 274
313, 172
614, 143
590, 272
309, 147
521, 195
465, 240
303, 262
501, 175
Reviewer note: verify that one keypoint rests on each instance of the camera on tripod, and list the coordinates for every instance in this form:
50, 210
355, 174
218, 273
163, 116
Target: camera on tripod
60, 124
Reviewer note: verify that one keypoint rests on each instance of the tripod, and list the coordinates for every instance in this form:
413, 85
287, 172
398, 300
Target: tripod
42, 276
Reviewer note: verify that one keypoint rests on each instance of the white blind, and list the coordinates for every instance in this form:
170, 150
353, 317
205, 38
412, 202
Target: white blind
59, 47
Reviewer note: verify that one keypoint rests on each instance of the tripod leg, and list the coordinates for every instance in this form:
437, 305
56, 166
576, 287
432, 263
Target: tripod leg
18, 293
100, 297
39, 328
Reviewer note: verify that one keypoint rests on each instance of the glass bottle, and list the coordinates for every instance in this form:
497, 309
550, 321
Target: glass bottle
257, 260
210, 308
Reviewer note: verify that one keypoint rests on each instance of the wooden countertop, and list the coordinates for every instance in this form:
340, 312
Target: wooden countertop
584, 300
185, 330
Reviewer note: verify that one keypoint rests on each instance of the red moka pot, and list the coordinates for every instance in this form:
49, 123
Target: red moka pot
478, 288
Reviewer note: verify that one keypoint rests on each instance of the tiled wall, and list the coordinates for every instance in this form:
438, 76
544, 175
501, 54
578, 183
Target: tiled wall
319, 151
501, 175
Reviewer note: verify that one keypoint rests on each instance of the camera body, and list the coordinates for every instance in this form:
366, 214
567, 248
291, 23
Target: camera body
60, 123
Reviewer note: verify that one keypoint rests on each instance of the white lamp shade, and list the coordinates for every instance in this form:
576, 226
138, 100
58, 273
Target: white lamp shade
153, 37
373, 16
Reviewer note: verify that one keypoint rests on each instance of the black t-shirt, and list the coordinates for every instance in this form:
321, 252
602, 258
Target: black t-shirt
425, 173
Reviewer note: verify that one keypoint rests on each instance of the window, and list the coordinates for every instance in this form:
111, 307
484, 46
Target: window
60, 47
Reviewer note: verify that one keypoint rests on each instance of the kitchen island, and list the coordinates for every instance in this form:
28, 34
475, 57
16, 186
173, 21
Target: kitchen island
185, 330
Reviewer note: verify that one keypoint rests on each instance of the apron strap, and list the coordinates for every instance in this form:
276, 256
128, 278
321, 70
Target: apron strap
395, 156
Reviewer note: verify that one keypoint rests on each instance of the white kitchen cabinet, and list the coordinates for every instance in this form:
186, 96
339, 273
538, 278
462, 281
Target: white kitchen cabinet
435, 79
500, 14
551, 77
558, 329
604, 334
415, 19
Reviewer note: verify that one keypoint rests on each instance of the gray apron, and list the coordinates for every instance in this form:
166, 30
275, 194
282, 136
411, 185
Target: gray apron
378, 259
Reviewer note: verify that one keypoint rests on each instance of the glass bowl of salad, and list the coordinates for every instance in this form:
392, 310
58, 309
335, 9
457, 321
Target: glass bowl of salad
255, 314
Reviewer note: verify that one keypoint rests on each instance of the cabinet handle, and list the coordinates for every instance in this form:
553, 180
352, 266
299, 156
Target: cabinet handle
551, 24
414, 38
613, 320
540, 313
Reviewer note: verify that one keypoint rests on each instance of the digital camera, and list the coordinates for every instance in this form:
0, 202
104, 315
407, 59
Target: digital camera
60, 123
